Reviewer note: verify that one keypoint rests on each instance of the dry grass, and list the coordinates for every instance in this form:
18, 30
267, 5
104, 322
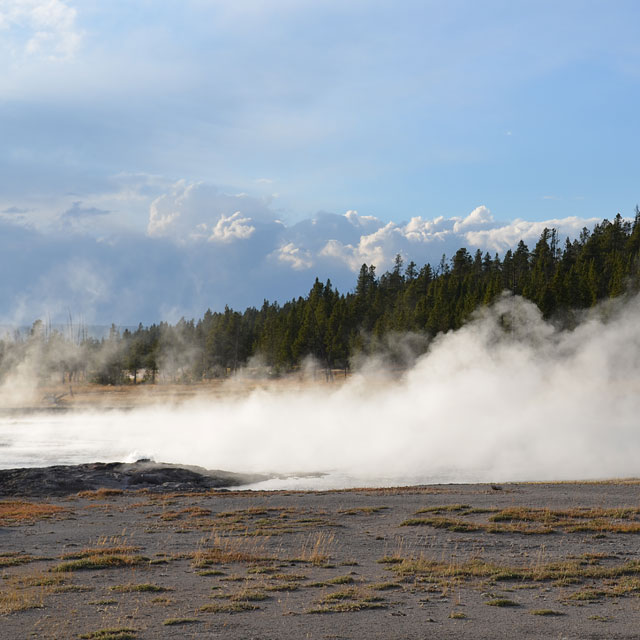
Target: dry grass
569, 571
361, 511
530, 521
502, 602
179, 621
13, 559
123, 633
224, 550
99, 494
232, 607
27, 591
348, 600
100, 551
14, 598
316, 549
447, 508
545, 612
271, 521
195, 513
100, 558
14, 512
140, 588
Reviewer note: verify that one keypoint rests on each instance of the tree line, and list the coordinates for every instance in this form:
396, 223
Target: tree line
334, 327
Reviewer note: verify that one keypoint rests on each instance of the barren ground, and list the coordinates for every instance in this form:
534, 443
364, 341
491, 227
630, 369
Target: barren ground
448, 561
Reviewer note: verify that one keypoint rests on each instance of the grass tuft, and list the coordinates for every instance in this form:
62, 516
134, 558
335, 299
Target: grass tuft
144, 588
170, 622
502, 602
21, 511
545, 612
111, 634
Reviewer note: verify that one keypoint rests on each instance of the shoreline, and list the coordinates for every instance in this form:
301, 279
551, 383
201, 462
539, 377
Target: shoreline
66, 479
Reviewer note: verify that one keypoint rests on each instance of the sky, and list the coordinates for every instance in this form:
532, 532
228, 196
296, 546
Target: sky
161, 158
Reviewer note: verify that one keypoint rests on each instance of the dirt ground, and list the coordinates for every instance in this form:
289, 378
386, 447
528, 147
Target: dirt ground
444, 561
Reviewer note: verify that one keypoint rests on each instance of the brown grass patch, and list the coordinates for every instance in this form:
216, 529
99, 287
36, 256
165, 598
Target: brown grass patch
566, 571
348, 600
13, 559
316, 549
100, 493
530, 521
21, 511
230, 550
100, 558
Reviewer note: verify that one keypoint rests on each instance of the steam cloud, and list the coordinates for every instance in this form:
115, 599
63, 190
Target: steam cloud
507, 397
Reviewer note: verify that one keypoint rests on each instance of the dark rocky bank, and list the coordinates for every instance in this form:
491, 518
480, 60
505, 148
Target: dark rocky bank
144, 474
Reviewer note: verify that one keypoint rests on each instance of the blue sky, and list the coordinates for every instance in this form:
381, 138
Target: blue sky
217, 147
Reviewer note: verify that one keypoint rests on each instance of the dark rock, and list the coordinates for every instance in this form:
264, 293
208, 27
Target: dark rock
143, 474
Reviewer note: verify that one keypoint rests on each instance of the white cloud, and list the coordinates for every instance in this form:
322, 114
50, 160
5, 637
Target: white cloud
367, 223
295, 257
233, 227
478, 217
131, 277
198, 211
45, 28
195, 212
508, 235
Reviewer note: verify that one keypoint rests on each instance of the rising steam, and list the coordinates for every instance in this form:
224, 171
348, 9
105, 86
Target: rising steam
507, 397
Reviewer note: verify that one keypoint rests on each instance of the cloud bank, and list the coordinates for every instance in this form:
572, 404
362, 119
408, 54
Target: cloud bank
204, 247
39, 28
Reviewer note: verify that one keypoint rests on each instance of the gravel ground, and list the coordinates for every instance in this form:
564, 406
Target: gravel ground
443, 561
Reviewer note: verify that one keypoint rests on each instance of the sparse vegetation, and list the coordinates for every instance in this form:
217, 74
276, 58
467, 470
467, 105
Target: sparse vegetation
231, 607
14, 559
142, 588
100, 494
124, 633
100, 558
502, 602
530, 521
14, 512
348, 600
546, 612
171, 622
315, 549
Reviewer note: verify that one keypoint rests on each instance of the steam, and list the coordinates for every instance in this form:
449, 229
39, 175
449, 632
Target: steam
507, 397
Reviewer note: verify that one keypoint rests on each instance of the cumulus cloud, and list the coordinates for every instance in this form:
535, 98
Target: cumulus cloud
45, 28
203, 248
297, 258
505, 236
478, 217
191, 211
229, 228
